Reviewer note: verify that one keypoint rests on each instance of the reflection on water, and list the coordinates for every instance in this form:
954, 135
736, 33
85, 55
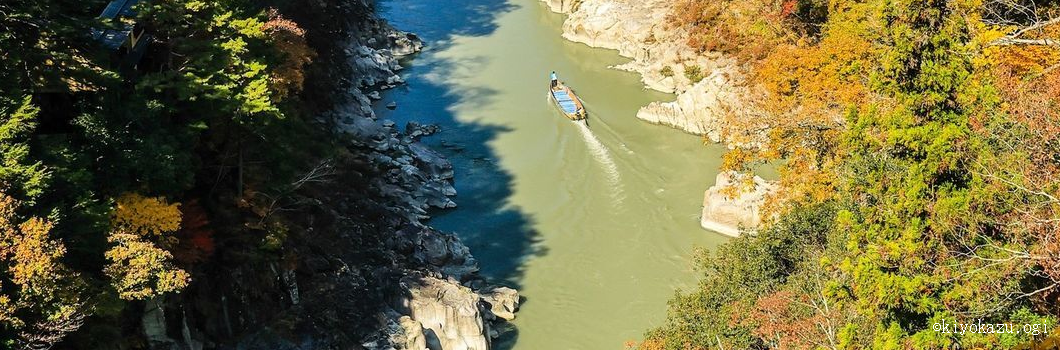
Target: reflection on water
594, 224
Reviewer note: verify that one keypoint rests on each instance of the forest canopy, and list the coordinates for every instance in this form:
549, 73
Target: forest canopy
127, 163
921, 182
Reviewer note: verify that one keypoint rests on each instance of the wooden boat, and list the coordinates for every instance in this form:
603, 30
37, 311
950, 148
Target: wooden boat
568, 103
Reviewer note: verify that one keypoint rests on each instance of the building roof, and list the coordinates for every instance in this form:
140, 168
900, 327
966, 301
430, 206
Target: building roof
119, 8
110, 38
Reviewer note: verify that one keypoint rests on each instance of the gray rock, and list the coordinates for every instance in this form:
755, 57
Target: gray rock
153, 322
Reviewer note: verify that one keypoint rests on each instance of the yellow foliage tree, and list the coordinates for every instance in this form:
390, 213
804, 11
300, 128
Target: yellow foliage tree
45, 303
146, 216
139, 268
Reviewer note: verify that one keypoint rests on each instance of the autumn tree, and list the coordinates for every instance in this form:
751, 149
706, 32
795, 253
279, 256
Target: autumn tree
288, 39
932, 128
40, 301
139, 267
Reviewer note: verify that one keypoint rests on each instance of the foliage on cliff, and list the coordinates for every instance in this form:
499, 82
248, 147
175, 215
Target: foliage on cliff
921, 184
99, 147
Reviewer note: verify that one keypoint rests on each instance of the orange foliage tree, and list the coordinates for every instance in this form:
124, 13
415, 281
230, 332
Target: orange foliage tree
288, 38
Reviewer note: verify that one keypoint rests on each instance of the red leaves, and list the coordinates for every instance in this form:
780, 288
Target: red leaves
196, 236
788, 8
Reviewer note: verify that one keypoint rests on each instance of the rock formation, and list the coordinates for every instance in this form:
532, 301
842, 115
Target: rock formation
708, 85
437, 309
448, 312
729, 215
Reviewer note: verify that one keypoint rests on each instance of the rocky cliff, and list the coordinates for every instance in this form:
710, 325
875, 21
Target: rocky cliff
356, 267
708, 85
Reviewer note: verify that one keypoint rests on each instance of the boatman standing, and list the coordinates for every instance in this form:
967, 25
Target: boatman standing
553, 77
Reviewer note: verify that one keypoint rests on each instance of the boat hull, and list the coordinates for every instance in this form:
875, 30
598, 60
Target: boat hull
578, 114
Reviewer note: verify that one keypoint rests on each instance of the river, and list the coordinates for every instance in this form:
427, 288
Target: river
594, 225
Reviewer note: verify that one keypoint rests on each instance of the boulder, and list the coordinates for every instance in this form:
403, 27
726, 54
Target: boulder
449, 313
502, 302
728, 215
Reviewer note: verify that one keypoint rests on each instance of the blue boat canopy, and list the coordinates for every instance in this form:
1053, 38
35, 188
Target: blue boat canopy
565, 101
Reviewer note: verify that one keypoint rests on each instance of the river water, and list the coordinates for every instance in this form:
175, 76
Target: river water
595, 225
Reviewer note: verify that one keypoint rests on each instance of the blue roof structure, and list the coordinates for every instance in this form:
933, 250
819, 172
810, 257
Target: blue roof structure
119, 8
115, 38
112, 39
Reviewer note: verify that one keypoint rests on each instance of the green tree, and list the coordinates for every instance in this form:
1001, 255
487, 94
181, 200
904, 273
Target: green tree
19, 173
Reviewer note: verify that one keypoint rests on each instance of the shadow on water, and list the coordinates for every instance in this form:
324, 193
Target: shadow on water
500, 236
438, 21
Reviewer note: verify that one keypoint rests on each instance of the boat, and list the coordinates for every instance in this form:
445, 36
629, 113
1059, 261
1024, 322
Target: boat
565, 99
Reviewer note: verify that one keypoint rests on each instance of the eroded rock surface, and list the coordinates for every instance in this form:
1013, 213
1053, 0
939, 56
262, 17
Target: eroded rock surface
728, 215
638, 29
449, 313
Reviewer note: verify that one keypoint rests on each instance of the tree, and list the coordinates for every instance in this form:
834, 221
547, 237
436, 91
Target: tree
139, 268
40, 296
19, 174
933, 126
288, 39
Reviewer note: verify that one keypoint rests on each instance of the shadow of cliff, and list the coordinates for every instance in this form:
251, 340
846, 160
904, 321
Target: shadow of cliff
499, 235
437, 22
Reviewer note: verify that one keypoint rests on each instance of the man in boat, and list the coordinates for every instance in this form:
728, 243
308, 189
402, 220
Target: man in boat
554, 79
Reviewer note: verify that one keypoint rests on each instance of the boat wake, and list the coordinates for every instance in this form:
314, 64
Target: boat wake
602, 156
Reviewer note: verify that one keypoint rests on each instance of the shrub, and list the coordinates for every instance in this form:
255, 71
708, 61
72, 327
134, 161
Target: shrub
694, 73
667, 72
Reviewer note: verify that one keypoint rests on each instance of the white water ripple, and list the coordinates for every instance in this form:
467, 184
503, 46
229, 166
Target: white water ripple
602, 156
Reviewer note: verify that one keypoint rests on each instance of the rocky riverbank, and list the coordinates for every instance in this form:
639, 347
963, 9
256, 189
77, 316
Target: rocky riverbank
710, 87
440, 302
707, 85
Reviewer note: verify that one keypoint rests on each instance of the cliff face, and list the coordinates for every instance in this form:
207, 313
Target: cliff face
358, 268
708, 85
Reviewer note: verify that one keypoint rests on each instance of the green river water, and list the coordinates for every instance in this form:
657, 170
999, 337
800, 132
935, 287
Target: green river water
594, 225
